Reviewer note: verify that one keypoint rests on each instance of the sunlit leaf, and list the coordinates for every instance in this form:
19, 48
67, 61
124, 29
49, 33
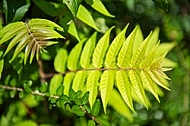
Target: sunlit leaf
92, 86
72, 5
99, 6
114, 48
60, 60
84, 15
100, 50
55, 82
106, 86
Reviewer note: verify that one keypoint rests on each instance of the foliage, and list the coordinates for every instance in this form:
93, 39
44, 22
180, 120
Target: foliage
88, 75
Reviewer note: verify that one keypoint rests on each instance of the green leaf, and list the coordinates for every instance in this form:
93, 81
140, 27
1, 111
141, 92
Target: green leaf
140, 53
73, 58
21, 11
103, 121
20, 46
43, 87
114, 48
12, 94
119, 105
163, 4
147, 80
86, 108
16, 40
63, 99
7, 32
1, 63
159, 80
50, 8
59, 90
67, 82
125, 54
91, 123
72, 94
100, 50
78, 111
164, 48
138, 86
99, 6
60, 60
53, 100
44, 22
84, 15
86, 54
138, 38
27, 86
92, 86
106, 86
96, 108
55, 82
72, 5
85, 98
78, 81
153, 39
124, 86
169, 63
149, 58
73, 30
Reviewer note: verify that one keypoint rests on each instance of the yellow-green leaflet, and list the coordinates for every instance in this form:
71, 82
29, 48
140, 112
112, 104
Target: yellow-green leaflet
106, 86
125, 54
99, 6
138, 86
147, 80
92, 85
138, 38
119, 105
139, 54
72, 61
100, 50
56, 80
124, 87
73, 30
86, 55
60, 60
67, 82
114, 48
78, 81
84, 15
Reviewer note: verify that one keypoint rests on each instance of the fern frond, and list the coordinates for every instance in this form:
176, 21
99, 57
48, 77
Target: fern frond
33, 36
